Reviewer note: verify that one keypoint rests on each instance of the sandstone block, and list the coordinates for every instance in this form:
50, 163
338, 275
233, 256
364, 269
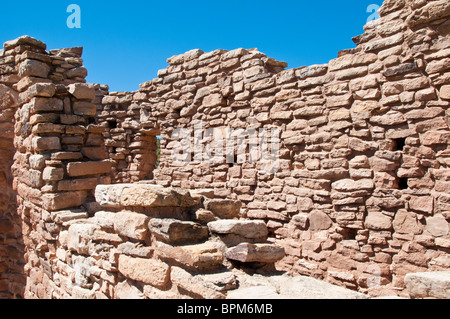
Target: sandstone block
149, 271
76, 169
132, 225
223, 208
444, 92
437, 226
80, 236
348, 185
77, 184
127, 290
264, 253
84, 108
435, 137
64, 216
428, 285
135, 250
432, 11
8, 97
42, 90
174, 231
383, 43
194, 284
53, 174
378, 221
82, 91
213, 100
200, 257
319, 221
406, 223
80, 72
34, 68
59, 201
246, 229
42, 104
139, 196
390, 118
351, 60
25, 39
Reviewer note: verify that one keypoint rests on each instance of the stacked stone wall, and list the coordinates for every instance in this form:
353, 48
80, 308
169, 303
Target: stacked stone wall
357, 196
361, 186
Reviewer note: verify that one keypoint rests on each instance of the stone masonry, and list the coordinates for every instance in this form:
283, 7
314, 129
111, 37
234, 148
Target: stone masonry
359, 199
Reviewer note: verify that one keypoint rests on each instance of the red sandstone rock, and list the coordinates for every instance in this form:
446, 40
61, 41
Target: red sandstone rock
265, 253
149, 271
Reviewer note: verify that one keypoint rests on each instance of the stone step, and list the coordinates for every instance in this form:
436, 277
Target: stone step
173, 231
259, 253
143, 195
428, 285
223, 208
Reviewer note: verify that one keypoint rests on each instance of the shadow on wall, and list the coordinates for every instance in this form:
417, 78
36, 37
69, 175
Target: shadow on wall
12, 248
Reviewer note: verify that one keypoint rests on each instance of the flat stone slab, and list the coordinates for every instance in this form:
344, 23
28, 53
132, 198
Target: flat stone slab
173, 231
244, 228
288, 287
428, 285
264, 253
143, 195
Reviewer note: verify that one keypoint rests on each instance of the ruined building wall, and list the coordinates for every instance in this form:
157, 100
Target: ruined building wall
52, 151
360, 197
361, 188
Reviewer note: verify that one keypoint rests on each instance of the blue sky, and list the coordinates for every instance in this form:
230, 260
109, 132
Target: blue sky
127, 42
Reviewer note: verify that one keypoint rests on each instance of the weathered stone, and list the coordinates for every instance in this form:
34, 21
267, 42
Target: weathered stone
319, 221
132, 225
53, 174
126, 290
378, 221
59, 201
200, 257
42, 90
8, 97
84, 108
25, 39
432, 11
194, 284
34, 68
437, 226
41, 104
246, 229
213, 100
435, 137
80, 236
348, 185
224, 209
264, 253
383, 43
149, 271
157, 197
76, 169
174, 231
428, 285
444, 92
407, 223
82, 91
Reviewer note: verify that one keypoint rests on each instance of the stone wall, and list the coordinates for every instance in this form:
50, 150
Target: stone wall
361, 187
52, 151
359, 198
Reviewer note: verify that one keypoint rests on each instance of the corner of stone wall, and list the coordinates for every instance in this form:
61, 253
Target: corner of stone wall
58, 152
